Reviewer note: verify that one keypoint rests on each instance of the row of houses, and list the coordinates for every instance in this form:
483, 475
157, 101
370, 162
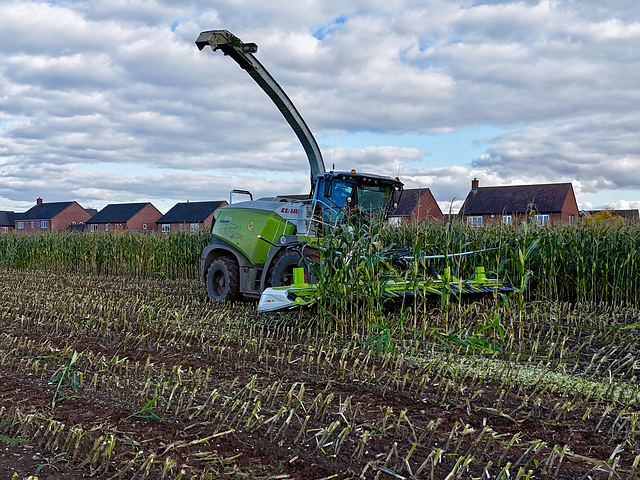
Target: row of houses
551, 203
59, 216
547, 203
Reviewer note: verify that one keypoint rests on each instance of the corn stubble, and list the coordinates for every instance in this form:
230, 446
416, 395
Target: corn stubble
541, 386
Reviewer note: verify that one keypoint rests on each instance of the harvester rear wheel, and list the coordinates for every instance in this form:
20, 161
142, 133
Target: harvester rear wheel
223, 280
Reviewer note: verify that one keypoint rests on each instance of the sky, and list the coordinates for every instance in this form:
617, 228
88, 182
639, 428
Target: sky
110, 101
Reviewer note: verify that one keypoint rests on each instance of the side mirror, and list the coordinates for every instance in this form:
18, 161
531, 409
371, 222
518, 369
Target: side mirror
327, 189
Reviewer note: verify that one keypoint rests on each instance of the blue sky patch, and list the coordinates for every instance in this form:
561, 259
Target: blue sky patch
322, 32
456, 148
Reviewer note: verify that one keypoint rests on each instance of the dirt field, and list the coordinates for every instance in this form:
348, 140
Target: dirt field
107, 377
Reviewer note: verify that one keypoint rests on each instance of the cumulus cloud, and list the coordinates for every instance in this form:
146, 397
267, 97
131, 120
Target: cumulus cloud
109, 101
602, 152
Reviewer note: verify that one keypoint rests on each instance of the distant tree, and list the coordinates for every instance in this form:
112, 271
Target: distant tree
604, 217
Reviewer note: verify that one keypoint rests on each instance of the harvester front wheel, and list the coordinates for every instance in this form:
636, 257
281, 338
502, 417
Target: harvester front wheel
223, 280
282, 271
282, 274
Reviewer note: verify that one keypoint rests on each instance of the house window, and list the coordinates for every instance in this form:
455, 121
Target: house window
5, 229
166, 228
93, 227
106, 227
20, 225
144, 226
542, 219
194, 227
506, 219
44, 224
474, 221
33, 225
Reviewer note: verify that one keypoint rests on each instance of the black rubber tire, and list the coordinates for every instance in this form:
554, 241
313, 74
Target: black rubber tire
223, 280
282, 272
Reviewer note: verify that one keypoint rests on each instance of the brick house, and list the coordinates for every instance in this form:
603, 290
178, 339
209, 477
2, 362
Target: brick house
81, 227
50, 217
125, 216
7, 221
548, 203
416, 205
189, 216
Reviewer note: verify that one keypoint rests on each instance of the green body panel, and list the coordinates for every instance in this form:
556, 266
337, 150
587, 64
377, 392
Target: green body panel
240, 227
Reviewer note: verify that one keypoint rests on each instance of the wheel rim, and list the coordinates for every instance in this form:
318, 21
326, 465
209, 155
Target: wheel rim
219, 282
287, 276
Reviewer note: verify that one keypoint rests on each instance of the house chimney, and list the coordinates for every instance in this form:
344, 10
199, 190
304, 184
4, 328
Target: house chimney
38, 200
474, 184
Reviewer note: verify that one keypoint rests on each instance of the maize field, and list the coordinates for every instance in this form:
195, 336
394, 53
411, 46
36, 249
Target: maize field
115, 365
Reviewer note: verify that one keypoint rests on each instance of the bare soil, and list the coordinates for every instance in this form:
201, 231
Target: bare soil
183, 388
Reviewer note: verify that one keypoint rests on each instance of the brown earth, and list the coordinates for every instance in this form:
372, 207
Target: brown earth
182, 388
